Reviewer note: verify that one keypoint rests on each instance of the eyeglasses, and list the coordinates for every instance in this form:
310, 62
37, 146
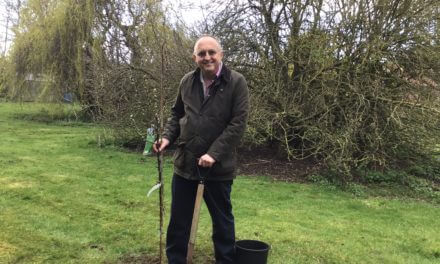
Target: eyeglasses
202, 53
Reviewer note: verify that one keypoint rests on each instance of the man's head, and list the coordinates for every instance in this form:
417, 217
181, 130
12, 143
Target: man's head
208, 55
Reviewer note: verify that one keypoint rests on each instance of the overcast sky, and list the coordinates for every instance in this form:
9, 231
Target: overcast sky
190, 11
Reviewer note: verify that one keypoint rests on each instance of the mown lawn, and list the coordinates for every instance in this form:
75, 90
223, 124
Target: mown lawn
65, 200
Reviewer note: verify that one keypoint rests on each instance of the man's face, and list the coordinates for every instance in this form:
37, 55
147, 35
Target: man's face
208, 56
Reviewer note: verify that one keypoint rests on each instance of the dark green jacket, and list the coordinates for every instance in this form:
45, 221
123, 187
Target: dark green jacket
214, 125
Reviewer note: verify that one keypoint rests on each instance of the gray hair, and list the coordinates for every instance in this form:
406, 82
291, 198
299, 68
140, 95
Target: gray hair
208, 36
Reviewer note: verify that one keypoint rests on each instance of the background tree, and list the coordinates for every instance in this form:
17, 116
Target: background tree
127, 65
47, 47
352, 83
10, 17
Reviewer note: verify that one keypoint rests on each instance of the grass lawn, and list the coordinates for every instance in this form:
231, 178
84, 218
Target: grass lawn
65, 200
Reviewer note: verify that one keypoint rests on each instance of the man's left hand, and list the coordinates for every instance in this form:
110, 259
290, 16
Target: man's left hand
206, 161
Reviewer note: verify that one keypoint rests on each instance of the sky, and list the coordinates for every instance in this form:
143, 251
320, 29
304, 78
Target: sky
190, 11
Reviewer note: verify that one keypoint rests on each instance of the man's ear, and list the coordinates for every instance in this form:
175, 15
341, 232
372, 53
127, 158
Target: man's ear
194, 57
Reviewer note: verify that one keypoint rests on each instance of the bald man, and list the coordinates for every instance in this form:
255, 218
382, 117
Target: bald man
207, 122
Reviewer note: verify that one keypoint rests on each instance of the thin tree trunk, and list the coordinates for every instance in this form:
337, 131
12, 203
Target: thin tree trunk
6, 35
160, 158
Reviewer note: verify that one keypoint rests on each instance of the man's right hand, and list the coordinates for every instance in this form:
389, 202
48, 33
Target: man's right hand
160, 145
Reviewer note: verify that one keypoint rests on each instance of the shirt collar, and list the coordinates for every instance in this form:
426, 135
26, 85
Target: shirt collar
219, 69
225, 73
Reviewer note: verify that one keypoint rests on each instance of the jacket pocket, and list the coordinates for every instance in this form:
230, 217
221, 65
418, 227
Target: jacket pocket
184, 159
226, 166
179, 159
185, 132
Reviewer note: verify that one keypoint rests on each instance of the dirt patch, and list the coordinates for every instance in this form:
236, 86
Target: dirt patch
138, 259
263, 161
148, 259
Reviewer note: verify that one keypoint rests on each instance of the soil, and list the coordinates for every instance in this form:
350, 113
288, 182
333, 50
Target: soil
263, 161
148, 259
142, 259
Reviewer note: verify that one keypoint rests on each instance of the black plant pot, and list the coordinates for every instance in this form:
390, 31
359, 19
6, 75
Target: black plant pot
251, 252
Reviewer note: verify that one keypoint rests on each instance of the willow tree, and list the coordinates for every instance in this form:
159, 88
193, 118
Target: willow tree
48, 46
352, 83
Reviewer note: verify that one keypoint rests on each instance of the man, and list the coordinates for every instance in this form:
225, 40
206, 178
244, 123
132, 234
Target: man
207, 122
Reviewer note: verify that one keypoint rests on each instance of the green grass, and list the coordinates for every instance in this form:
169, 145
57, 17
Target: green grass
64, 200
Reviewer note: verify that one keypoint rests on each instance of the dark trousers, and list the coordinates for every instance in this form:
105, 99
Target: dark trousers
217, 199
